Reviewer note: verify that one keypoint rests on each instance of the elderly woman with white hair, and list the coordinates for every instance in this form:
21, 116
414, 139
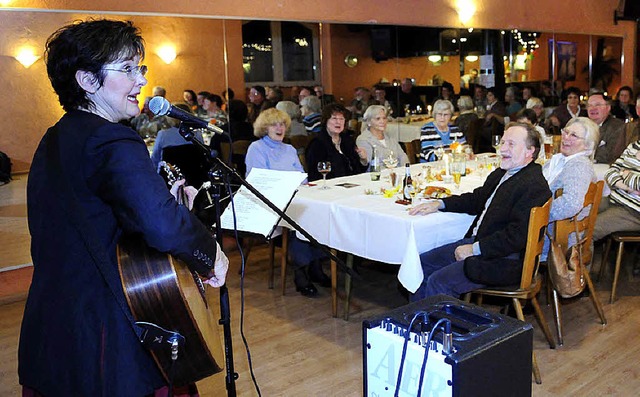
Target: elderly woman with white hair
293, 110
536, 104
374, 135
311, 110
467, 116
572, 171
438, 132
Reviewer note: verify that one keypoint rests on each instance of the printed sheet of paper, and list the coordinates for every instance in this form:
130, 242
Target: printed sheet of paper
252, 215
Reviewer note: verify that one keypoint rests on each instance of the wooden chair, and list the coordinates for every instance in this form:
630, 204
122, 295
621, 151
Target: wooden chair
530, 282
413, 151
300, 142
565, 227
621, 238
251, 241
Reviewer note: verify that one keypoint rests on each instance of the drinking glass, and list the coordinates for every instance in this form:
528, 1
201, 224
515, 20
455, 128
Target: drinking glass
457, 169
439, 152
495, 142
324, 167
391, 161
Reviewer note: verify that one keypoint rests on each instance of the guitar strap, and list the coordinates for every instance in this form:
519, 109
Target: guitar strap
150, 335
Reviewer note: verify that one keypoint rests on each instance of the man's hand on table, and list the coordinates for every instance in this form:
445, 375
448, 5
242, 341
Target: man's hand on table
425, 208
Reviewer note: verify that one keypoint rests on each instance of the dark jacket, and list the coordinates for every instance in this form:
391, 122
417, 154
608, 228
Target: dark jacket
321, 148
503, 231
75, 338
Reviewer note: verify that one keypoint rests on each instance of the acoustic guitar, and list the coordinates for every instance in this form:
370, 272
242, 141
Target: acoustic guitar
162, 290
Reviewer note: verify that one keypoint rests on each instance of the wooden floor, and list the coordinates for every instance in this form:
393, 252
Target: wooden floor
298, 349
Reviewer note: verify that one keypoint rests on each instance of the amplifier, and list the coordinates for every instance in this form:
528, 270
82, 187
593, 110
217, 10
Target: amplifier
486, 354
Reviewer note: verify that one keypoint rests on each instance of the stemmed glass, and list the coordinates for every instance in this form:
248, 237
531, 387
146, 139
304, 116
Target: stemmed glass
391, 161
324, 167
457, 169
495, 142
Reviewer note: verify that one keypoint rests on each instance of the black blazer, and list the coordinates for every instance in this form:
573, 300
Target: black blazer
503, 231
321, 148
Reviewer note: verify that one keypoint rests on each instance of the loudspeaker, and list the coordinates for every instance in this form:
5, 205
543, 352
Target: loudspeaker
630, 10
491, 354
381, 44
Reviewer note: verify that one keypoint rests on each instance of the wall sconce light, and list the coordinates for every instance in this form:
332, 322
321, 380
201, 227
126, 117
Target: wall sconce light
26, 56
466, 10
167, 53
471, 58
434, 58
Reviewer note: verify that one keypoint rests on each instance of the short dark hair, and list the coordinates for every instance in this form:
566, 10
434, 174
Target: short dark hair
332, 108
447, 85
261, 90
237, 110
529, 114
230, 93
193, 94
88, 46
214, 98
573, 90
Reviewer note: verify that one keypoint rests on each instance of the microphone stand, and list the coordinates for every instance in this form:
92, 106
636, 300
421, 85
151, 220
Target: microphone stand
186, 130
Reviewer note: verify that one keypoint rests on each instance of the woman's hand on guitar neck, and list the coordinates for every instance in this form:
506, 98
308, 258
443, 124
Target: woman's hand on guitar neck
184, 194
218, 275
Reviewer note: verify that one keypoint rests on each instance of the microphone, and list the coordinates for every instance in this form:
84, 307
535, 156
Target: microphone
161, 107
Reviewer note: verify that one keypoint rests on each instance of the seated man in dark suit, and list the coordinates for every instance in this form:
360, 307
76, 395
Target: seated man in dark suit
613, 137
492, 251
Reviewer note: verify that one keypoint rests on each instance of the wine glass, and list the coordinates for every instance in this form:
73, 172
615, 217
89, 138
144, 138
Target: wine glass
457, 169
391, 161
324, 167
495, 142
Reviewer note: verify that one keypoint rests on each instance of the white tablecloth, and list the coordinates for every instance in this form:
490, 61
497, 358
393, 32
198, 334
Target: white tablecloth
404, 132
375, 227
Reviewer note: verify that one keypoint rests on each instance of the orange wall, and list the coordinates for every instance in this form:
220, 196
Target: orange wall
198, 66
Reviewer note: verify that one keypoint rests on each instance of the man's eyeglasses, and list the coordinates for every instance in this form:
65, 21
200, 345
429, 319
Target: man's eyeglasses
596, 105
132, 72
570, 134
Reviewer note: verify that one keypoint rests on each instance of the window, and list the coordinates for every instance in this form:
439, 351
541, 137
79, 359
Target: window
280, 53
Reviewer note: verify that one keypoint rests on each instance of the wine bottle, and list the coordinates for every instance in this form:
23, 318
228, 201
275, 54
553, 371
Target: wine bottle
407, 183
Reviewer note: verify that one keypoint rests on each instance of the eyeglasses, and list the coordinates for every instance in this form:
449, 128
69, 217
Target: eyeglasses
132, 72
596, 105
570, 134
334, 118
442, 114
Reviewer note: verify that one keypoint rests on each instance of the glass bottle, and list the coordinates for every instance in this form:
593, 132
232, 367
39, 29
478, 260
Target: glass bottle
407, 183
374, 165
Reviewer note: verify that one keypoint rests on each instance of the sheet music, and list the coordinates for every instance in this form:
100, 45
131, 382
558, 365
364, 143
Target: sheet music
252, 215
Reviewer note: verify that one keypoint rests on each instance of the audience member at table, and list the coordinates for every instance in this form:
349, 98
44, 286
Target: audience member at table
191, 99
527, 93
335, 145
360, 102
325, 99
293, 111
238, 127
227, 96
535, 104
439, 132
304, 92
512, 100
274, 95
380, 98
257, 102
529, 116
270, 152
571, 172
548, 96
170, 136
407, 99
200, 112
492, 251
294, 94
613, 136
447, 94
620, 211
215, 114
311, 108
159, 91
567, 111
374, 134
480, 99
467, 117
623, 107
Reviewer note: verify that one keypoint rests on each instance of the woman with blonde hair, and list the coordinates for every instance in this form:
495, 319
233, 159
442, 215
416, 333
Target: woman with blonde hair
269, 152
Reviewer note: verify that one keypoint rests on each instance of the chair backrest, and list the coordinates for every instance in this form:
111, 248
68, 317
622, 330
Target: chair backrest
585, 226
538, 220
413, 150
631, 132
241, 146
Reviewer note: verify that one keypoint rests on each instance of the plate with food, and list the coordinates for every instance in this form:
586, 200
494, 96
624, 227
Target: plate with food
436, 192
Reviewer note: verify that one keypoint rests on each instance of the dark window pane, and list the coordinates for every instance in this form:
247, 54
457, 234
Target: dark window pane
257, 51
297, 52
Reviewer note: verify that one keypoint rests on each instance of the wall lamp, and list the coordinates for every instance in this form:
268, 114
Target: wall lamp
466, 10
167, 53
26, 56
